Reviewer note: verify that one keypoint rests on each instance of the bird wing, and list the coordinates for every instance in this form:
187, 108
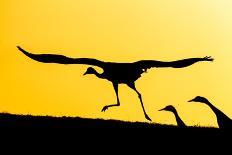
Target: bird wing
147, 64
60, 59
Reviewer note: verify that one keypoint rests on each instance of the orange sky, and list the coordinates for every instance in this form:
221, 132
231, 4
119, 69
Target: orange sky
121, 31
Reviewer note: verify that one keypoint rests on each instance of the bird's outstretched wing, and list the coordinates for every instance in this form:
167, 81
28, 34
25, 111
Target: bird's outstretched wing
147, 64
60, 59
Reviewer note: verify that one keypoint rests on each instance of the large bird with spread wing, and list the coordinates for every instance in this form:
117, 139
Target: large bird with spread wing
117, 73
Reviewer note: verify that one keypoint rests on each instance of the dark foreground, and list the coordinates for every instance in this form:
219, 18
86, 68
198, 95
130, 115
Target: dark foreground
47, 122
28, 122
113, 133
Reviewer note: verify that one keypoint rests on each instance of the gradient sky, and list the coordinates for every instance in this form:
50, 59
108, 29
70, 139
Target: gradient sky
121, 31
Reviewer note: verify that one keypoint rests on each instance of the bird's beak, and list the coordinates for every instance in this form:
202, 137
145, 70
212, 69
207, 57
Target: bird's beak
162, 109
85, 74
191, 100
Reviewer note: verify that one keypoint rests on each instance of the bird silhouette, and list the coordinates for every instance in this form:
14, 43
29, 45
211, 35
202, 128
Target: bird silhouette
117, 73
224, 122
172, 109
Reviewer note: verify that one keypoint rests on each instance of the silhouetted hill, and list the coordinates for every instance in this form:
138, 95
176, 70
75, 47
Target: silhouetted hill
29, 121
48, 122
92, 131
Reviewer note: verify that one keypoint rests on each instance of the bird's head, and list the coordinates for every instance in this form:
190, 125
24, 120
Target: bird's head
168, 108
90, 70
199, 99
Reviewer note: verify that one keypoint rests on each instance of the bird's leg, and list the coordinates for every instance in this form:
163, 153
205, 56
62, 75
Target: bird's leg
132, 86
118, 102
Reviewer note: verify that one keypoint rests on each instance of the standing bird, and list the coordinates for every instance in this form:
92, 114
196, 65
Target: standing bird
117, 73
172, 109
224, 122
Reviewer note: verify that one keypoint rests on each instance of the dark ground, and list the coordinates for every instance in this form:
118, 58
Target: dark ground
78, 132
13, 121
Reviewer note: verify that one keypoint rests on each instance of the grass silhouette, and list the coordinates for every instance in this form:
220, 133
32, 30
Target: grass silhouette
94, 130
28, 121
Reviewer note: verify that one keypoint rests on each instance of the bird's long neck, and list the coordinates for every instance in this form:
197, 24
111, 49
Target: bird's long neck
98, 75
178, 119
223, 120
217, 112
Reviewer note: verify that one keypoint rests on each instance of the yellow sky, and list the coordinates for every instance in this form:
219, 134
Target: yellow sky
121, 31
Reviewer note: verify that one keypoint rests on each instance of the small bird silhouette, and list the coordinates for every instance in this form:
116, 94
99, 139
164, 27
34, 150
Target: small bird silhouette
224, 122
172, 109
117, 73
